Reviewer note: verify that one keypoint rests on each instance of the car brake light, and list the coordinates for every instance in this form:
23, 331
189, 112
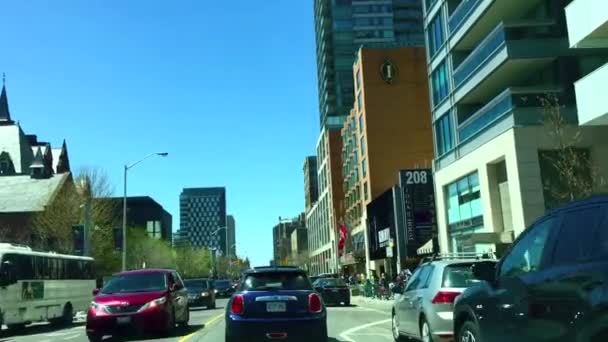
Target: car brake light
445, 297
238, 305
314, 303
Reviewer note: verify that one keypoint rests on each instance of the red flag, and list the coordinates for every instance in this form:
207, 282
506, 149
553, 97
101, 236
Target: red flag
342, 241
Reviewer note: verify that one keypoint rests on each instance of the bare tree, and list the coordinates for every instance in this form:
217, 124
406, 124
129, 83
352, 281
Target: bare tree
577, 175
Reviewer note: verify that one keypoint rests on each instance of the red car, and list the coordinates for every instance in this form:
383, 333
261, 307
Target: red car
150, 300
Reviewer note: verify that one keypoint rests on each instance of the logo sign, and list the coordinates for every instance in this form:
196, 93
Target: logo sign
388, 71
383, 237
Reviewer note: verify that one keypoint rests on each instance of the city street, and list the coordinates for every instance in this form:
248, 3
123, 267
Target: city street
348, 324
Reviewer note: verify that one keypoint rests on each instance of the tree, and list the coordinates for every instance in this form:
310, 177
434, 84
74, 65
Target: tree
147, 252
576, 175
192, 262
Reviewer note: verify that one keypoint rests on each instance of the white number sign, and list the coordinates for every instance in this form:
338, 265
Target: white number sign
416, 177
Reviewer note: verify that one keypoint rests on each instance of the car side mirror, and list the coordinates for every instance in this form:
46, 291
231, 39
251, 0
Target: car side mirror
485, 271
95, 291
173, 287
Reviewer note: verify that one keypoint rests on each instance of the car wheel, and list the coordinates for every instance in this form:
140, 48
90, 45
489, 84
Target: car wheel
425, 331
15, 327
469, 332
170, 324
212, 306
395, 329
94, 337
184, 324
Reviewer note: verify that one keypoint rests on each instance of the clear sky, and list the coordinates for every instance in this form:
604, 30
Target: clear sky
228, 88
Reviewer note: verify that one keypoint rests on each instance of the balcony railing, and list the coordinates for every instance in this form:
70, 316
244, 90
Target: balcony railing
480, 55
503, 104
461, 13
495, 109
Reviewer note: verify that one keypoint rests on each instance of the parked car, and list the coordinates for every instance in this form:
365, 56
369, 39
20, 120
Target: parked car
276, 303
223, 288
334, 291
552, 285
424, 308
323, 275
143, 300
200, 292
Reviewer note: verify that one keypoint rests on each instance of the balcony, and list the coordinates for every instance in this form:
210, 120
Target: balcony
588, 23
591, 98
521, 104
505, 56
471, 20
462, 12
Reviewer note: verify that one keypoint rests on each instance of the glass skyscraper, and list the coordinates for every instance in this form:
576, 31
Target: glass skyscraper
341, 27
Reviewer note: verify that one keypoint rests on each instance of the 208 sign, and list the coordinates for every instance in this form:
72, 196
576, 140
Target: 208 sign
416, 177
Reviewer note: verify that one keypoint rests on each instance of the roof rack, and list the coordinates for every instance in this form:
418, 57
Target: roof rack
457, 256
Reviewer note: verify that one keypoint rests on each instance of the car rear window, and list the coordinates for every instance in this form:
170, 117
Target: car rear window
276, 281
331, 282
196, 283
458, 275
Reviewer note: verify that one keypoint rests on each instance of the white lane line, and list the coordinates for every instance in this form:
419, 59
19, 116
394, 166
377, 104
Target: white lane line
344, 335
71, 337
359, 308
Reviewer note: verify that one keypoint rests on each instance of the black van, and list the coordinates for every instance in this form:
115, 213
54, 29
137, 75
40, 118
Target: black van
552, 284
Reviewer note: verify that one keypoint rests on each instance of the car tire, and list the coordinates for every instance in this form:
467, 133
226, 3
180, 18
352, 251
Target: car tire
425, 331
184, 324
212, 305
15, 327
395, 329
94, 337
170, 325
468, 332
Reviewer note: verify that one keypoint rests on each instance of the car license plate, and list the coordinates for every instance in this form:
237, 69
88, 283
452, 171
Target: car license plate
276, 307
123, 320
334, 290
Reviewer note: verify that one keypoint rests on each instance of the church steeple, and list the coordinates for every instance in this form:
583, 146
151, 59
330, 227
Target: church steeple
5, 115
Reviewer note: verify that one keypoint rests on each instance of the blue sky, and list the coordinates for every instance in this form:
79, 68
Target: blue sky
228, 88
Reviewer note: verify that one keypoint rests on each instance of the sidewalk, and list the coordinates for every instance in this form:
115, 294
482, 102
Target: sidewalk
377, 304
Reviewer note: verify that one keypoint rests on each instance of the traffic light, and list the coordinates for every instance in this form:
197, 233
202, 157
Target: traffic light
78, 238
117, 239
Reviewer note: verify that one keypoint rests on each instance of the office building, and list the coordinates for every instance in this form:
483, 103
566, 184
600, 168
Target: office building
387, 130
231, 226
203, 217
492, 65
323, 218
341, 27
143, 212
299, 247
311, 188
588, 29
281, 238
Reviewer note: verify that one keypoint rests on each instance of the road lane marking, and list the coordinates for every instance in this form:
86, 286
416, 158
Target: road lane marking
359, 308
206, 325
344, 335
71, 337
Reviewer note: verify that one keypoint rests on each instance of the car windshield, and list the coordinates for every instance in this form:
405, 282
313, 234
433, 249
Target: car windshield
141, 282
331, 282
222, 284
458, 275
196, 284
276, 281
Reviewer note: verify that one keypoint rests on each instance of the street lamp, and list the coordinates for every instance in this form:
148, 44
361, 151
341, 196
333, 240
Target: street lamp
124, 205
215, 233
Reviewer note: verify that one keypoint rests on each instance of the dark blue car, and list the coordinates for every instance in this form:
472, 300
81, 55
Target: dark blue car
276, 303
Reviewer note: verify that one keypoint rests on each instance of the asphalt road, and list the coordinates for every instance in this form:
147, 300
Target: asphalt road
345, 324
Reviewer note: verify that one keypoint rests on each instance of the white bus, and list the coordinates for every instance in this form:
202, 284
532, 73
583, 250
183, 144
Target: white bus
42, 286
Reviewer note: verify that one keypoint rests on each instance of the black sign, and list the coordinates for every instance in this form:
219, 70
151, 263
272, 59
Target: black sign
118, 239
381, 224
419, 208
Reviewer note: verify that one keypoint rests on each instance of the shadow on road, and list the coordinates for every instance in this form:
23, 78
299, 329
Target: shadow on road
178, 332
199, 308
36, 329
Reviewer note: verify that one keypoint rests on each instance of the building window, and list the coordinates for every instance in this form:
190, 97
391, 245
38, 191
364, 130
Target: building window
365, 191
435, 34
363, 147
444, 134
359, 80
364, 167
439, 81
153, 229
464, 200
361, 122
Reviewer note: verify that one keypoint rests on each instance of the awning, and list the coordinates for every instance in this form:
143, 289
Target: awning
427, 248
